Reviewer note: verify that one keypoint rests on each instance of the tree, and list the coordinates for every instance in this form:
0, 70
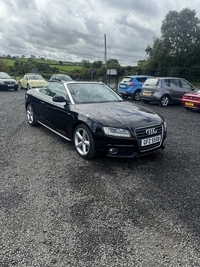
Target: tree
86, 64
3, 66
159, 54
179, 32
97, 64
112, 63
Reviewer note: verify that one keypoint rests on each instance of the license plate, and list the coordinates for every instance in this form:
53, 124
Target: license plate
122, 85
189, 104
10, 85
147, 93
151, 140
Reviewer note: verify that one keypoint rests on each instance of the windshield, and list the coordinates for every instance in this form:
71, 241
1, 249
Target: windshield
152, 81
92, 93
4, 75
64, 78
35, 77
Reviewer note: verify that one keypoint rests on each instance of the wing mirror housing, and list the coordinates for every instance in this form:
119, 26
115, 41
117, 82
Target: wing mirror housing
60, 99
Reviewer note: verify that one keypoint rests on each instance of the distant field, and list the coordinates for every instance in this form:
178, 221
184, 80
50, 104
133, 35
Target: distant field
52, 63
66, 67
9, 62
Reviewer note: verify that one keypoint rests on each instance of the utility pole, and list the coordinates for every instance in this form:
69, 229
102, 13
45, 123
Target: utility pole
105, 59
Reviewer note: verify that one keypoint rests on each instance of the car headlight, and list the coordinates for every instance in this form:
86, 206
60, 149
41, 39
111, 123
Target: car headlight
1, 82
116, 132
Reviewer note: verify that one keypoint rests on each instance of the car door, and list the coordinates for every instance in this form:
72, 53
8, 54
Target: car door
57, 115
42, 98
24, 81
186, 87
175, 89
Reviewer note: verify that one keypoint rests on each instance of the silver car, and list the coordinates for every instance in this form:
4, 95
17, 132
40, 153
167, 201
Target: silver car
165, 90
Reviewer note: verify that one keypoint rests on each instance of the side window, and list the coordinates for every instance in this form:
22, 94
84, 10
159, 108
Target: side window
141, 80
45, 90
185, 85
167, 82
174, 83
58, 89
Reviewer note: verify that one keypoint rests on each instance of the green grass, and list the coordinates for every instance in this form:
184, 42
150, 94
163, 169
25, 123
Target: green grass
9, 62
52, 63
66, 67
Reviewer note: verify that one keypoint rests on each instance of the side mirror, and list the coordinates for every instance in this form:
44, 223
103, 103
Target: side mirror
60, 99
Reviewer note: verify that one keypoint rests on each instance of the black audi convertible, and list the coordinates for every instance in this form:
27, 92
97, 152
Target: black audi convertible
96, 119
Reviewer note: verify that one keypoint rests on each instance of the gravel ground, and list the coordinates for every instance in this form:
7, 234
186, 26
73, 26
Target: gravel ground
58, 209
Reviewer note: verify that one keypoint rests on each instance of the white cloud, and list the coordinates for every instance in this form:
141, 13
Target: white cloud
74, 30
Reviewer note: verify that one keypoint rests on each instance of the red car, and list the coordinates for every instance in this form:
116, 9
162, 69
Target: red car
191, 100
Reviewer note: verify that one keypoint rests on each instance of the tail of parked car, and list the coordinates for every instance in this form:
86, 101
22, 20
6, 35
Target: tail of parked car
131, 86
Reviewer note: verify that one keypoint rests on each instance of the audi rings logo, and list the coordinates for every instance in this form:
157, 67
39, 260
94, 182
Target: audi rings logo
151, 131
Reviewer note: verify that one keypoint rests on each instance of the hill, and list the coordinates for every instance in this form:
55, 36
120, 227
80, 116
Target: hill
63, 66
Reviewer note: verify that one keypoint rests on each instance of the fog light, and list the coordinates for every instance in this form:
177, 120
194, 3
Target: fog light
113, 150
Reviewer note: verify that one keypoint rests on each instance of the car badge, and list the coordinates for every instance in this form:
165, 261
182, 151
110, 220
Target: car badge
151, 131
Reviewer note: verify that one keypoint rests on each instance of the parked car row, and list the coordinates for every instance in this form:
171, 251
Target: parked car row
34, 80
28, 81
162, 90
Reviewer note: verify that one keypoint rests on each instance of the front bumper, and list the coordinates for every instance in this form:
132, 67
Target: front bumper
8, 87
132, 147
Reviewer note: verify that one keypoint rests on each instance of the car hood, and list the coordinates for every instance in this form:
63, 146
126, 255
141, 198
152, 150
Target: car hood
8, 80
119, 114
197, 93
37, 81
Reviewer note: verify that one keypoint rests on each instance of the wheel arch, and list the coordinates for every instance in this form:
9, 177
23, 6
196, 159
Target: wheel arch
91, 125
166, 94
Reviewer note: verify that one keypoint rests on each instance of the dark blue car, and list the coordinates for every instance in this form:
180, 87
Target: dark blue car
131, 86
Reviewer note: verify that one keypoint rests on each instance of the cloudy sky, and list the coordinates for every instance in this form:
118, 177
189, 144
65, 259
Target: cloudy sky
75, 30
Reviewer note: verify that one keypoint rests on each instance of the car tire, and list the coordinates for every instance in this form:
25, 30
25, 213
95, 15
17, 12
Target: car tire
84, 142
164, 101
146, 101
30, 114
136, 96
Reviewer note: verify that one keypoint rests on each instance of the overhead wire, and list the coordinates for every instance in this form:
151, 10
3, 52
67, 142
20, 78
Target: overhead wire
124, 17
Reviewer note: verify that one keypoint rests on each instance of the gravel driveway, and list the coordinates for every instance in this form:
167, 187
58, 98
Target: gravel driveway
58, 209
